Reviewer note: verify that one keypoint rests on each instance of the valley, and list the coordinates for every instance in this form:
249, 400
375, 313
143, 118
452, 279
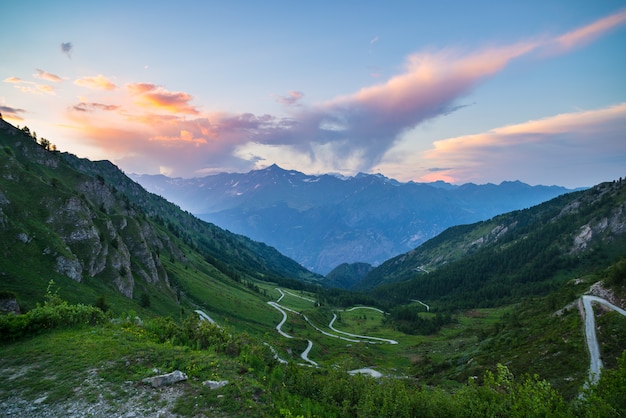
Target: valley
105, 283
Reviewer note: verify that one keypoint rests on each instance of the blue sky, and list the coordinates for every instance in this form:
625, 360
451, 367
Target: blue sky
458, 91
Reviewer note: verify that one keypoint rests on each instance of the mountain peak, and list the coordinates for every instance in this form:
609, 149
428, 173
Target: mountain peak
273, 167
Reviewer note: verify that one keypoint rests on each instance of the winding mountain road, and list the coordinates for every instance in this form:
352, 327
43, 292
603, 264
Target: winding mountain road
356, 335
595, 362
305, 354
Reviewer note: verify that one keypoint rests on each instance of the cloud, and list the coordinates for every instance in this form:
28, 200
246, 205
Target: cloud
47, 76
360, 128
366, 124
536, 149
156, 98
589, 33
292, 98
374, 40
91, 106
29, 86
98, 82
12, 113
66, 48
348, 134
186, 147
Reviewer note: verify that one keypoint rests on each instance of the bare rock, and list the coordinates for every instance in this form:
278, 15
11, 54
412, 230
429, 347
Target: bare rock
69, 267
215, 384
165, 379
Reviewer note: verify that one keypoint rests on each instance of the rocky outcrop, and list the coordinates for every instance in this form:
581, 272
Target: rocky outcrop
9, 305
604, 228
69, 267
119, 246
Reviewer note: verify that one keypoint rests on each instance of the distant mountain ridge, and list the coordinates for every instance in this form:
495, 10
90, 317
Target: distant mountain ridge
513, 255
322, 221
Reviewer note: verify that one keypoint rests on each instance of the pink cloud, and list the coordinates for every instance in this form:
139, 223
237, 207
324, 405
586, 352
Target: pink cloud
369, 122
533, 149
98, 82
353, 131
185, 146
13, 80
292, 98
589, 33
43, 75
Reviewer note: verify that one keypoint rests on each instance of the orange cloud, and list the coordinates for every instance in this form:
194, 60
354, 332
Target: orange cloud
29, 86
185, 136
98, 82
157, 98
47, 76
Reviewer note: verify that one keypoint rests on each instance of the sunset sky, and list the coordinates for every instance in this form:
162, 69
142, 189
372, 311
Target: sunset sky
481, 91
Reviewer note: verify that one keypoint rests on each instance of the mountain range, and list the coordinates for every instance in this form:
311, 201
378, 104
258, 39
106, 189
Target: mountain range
503, 290
513, 255
323, 221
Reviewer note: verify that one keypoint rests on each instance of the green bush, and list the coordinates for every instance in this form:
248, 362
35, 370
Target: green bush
54, 313
196, 334
46, 317
608, 397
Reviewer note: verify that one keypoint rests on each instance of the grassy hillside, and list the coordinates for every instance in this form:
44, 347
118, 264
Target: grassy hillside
98, 367
97, 234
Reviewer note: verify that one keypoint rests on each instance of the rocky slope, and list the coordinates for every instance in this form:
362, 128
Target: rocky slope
84, 220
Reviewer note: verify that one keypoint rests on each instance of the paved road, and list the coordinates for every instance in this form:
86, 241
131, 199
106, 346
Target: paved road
365, 307
595, 362
280, 325
205, 317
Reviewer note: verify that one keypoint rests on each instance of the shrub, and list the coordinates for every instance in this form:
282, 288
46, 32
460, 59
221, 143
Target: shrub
46, 317
54, 313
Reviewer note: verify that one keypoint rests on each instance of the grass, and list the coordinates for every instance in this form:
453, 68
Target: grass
66, 364
88, 364
105, 364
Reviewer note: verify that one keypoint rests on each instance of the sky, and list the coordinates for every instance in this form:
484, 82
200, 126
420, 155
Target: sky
481, 91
